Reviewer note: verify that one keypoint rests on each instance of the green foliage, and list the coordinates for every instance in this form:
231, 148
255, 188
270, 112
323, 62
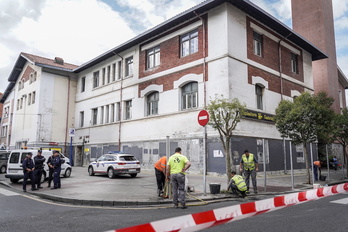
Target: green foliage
340, 131
307, 119
225, 114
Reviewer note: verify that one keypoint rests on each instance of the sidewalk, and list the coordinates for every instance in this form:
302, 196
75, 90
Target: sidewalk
82, 189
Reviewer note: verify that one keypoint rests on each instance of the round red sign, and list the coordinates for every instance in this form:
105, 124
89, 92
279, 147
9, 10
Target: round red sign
203, 117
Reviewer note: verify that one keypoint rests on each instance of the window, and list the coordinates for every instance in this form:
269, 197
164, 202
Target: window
33, 98
95, 79
190, 95
112, 116
258, 92
257, 43
129, 66
189, 43
19, 85
101, 114
294, 63
103, 76
153, 57
6, 110
94, 116
29, 99
32, 77
4, 131
119, 70
18, 104
152, 103
82, 118
108, 74
118, 111
113, 72
128, 110
83, 84
107, 114
21, 104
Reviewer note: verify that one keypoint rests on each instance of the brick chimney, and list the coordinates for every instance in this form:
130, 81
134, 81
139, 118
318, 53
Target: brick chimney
58, 60
313, 19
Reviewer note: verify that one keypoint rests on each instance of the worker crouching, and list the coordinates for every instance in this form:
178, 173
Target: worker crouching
237, 185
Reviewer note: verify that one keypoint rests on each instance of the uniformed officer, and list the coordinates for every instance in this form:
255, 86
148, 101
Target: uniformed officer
56, 163
39, 167
28, 171
250, 165
50, 170
237, 184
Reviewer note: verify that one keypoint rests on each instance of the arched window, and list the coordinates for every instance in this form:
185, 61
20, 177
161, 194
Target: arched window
189, 96
259, 100
152, 103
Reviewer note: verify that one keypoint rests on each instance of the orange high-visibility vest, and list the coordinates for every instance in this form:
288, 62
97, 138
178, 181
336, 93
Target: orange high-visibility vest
161, 164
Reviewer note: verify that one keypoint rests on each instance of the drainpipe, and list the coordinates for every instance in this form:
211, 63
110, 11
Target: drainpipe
120, 108
281, 90
67, 116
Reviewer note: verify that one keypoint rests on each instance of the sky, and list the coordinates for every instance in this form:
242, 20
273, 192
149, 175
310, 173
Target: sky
80, 30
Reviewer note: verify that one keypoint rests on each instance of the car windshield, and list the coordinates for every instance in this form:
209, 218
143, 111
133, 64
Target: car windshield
127, 158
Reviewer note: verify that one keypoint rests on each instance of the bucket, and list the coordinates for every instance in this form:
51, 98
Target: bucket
214, 188
316, 186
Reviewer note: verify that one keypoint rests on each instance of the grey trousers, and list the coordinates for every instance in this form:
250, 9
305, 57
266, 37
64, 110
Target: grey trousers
247, 174
178, 188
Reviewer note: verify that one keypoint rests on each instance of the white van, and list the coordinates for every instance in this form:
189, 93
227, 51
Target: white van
15, 170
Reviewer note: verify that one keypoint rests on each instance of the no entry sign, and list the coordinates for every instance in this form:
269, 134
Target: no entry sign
203, 117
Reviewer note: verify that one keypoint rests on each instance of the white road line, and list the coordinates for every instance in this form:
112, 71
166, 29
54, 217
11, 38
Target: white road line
343, 201
7, 192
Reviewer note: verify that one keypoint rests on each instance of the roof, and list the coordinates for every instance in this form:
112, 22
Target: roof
23, 58
245, 5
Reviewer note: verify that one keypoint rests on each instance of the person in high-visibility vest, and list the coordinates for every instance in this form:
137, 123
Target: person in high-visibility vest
160, 172
249, 165
237, 184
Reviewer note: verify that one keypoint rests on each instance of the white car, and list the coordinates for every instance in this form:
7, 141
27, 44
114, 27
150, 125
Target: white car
15, 170
115, 164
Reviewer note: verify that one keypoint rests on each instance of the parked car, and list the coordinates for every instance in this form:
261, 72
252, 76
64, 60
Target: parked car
114, 164
3, 160
15, 170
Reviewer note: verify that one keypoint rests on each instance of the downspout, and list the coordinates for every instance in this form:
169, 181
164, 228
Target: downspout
67, 117
280, 65
281, 92
120, 108
204, 60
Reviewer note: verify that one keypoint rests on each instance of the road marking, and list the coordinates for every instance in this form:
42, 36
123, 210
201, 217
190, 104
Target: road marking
343, 201
7, 192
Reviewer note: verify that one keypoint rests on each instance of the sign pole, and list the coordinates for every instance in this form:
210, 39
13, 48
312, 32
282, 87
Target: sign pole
203, 119
71, 134
291, 166
264, 164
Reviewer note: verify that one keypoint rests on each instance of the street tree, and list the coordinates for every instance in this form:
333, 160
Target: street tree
304, 120
225, 114
340, 132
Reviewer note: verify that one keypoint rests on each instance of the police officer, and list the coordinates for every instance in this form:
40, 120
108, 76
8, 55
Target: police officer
50, 170
251, 166
39, 167
28, 171
237, 184
56, 163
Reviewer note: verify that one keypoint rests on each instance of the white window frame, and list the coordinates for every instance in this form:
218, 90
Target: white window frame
257, 43
189, 98
152, 100
129, 66
153, 57
189, 43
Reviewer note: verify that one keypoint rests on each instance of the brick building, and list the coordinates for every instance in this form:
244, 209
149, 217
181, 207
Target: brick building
134, 95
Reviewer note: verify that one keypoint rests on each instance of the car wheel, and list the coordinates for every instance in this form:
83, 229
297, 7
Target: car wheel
67, 173
133, 175
111, 173
14, 180
90, 171
43, 177
3, 169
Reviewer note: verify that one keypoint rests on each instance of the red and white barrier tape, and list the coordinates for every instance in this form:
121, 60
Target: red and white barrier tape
203, 220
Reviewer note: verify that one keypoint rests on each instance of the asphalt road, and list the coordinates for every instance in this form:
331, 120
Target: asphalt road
22, 212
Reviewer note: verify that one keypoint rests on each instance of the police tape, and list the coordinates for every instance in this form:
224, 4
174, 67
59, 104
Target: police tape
203, 220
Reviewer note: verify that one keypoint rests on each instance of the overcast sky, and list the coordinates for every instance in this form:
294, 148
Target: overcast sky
79, 30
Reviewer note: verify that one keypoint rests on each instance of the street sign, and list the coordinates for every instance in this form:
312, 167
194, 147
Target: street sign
203, 117
71, 132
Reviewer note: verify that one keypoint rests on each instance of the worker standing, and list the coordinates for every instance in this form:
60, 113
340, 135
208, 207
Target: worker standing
250, 166
176, 167
160, 172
